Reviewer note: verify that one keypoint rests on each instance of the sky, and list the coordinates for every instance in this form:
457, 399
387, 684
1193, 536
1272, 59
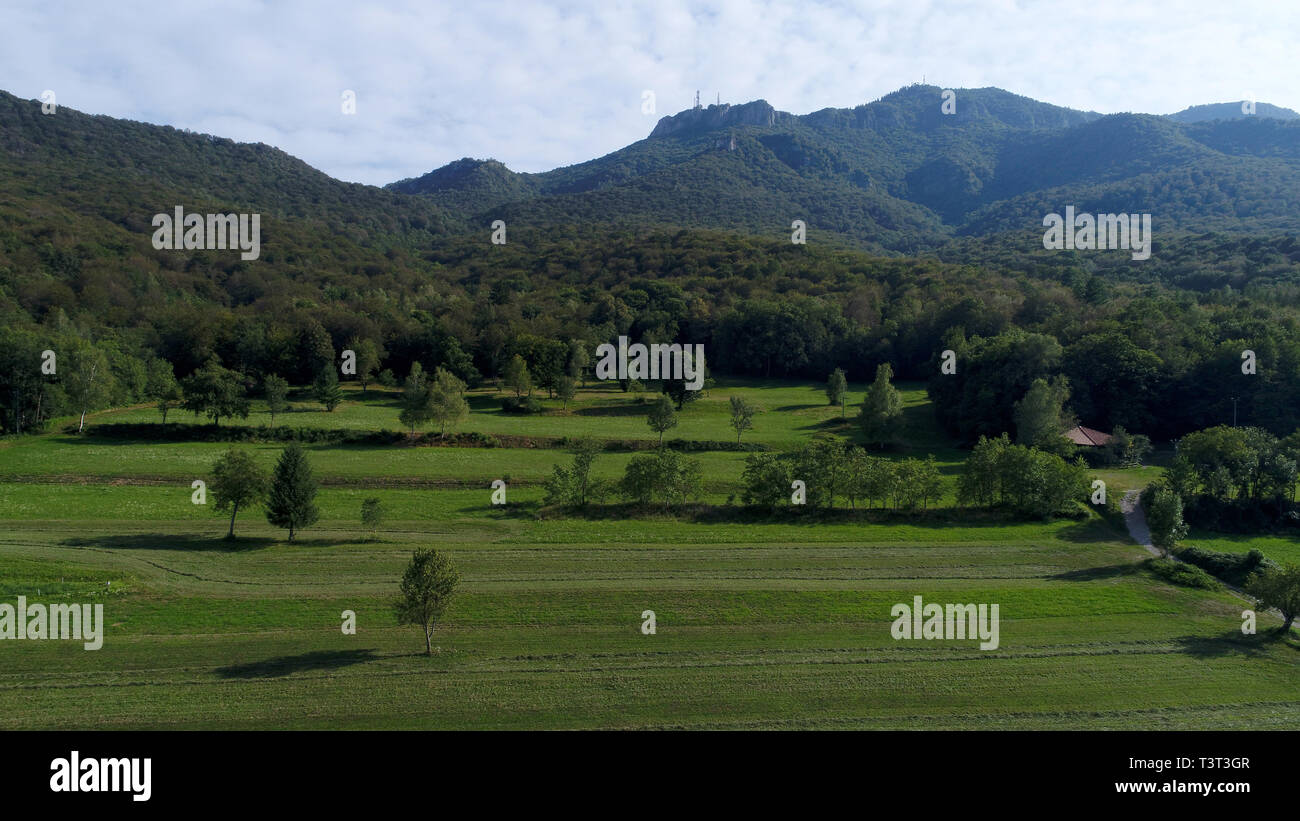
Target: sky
538, 85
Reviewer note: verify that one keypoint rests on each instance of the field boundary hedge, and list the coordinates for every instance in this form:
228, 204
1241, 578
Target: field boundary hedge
187, 432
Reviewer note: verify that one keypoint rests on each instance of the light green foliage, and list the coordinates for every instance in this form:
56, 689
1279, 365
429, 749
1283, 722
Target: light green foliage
662, 417
426, 590
837, 389
276, 391
446, 402
742, 415
237, 482
1164, 517
372, 514
882, 409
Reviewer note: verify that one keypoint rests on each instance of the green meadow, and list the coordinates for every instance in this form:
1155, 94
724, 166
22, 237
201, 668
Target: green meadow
762, 621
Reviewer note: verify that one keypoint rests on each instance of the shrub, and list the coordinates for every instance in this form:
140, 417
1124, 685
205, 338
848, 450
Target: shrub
1182, 574
520, 404
1233, 568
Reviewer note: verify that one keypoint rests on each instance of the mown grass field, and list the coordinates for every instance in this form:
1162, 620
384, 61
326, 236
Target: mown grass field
762, 622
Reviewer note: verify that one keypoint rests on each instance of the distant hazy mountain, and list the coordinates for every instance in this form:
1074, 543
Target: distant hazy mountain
1232, 111
900, 174
895, 175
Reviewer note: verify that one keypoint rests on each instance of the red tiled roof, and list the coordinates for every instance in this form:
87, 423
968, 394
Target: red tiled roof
1088, 437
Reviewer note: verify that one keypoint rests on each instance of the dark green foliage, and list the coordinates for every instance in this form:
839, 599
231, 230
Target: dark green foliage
1164, 515
216, 392
291, 501
767, 478
521, 404
1182, 574
1025, 480
326, 390
665, 476
1233, 568
597, 250
574, 485
1277, 587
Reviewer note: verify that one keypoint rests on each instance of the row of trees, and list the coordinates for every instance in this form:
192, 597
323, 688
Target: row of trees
665, 477
42, 376
440, 399
1246, 464
832, 470
1023, 479
289, 492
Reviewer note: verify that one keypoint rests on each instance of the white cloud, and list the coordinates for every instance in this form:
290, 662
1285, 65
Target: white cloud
543, 85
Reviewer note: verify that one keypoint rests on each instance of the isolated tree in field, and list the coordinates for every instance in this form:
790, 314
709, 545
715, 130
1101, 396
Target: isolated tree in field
162, 387
87, 380
576, 366
276, 390
1165, 519
372, 514
1277, 587
517, 377
837, 389
742, 416
415, 399
291, 502
677, 390
447, 405
662, 417
368, 357
215, 391
882, 408
326, 389
427, 586
566, 388
237, 482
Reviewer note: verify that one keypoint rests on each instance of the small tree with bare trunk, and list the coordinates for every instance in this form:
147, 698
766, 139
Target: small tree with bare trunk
427, 586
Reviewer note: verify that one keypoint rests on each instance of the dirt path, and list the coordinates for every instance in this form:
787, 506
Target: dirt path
1137, 521
1137, 528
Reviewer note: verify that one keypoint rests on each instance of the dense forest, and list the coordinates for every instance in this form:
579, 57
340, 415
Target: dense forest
1154, 346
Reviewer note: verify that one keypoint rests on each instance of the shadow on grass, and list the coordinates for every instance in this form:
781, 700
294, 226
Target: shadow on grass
512, 510
630, 408
172, 541
1232, 643
1093, 574
941, 518
307, 662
